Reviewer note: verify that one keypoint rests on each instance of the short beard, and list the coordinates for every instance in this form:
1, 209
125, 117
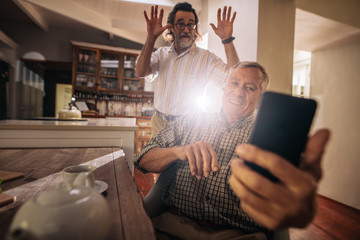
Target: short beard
185, 44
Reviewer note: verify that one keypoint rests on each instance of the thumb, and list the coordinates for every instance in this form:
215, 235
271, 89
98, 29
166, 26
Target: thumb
213, 26
215, 165
167, 26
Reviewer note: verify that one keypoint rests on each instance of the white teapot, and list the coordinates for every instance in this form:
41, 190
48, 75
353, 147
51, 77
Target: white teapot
71, 112
78, 213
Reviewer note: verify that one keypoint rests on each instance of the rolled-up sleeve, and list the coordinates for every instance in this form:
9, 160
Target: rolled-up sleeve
169, 137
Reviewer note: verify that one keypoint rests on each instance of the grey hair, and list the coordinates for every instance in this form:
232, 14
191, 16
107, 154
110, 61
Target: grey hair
247, 64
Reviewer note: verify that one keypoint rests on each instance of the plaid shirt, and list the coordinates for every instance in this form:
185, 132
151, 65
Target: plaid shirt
210, 199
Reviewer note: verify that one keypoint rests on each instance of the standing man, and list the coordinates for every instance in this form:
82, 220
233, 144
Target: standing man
182, 70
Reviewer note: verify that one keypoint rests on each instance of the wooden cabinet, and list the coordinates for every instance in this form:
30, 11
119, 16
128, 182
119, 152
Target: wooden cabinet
98, 68
84, 69
143, 134
104, 77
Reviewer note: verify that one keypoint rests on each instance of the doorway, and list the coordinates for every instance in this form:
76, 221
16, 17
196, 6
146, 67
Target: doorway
301, 74
4, 86
51, 73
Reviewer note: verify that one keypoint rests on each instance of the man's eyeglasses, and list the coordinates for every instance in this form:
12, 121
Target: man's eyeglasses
181, 26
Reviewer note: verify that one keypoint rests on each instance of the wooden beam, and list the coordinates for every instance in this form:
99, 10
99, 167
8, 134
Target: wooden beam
78, 12
7, 40
33, 14
75, 11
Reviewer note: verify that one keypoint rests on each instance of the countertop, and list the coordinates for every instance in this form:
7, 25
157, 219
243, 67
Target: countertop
86, 124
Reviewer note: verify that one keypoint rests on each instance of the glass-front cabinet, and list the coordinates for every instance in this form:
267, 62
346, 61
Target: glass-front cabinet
131, 83
109, 71
104, 78
104, 70
86, 68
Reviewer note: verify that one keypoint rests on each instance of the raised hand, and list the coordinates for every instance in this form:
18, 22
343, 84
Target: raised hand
290, 202
224, 27
201, 156
154, 23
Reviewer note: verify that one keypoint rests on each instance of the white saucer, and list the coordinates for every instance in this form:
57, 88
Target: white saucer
100, 186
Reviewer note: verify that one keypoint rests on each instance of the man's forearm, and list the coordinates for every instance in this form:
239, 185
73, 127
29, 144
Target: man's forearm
158, 159
143, 62
231, 54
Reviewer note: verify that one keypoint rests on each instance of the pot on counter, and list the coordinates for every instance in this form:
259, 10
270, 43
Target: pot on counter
70, 113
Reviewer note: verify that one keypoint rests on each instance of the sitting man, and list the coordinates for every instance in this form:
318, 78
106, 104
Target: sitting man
211, 195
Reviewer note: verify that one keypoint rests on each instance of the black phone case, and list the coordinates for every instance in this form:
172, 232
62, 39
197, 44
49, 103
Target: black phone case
282, 125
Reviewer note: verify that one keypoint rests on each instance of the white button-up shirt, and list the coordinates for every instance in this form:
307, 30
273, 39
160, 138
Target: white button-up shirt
181, 79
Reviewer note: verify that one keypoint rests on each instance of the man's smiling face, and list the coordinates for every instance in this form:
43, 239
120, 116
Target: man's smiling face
242, 93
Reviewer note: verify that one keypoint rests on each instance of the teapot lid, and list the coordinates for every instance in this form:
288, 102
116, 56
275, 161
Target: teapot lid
60, 197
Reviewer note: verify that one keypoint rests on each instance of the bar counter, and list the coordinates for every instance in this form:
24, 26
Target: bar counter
112, 132
82, 124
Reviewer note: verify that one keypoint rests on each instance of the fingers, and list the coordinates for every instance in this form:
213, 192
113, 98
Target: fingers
278, 166
152, 11
199, 162
215, 167
272, 205
146, 16
224, 13
213, 27
252, 204
233, 18
161, 14
314, 150
290, 202
219, 15
192, 162
202, 159
206, 165
254, 182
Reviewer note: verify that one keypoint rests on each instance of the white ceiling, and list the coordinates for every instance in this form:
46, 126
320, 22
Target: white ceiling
313, 32
125, 18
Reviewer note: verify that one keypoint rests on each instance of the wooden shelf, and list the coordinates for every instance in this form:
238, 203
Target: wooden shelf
86, 73
100, 74
99, 60
143, 134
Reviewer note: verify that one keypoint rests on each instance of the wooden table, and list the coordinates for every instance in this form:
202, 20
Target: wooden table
42, 170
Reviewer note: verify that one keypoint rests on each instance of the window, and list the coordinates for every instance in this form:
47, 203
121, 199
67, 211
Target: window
301, 74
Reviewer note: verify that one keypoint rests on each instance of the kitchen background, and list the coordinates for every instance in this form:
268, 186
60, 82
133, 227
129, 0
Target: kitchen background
267, 31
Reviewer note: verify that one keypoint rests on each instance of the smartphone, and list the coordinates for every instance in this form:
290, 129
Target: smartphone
281, 126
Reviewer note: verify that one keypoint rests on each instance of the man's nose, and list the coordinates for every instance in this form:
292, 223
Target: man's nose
239, 91
186, 29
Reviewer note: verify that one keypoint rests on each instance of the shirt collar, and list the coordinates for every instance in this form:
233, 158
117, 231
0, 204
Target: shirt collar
190, 50
238, 123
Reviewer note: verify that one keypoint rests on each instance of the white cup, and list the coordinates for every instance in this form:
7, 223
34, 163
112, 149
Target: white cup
71, 175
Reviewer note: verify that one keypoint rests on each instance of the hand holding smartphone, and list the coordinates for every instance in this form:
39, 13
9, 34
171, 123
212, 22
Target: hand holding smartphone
282, 125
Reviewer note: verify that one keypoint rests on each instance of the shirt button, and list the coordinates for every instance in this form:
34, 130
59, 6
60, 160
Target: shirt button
214, 173
207, 198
